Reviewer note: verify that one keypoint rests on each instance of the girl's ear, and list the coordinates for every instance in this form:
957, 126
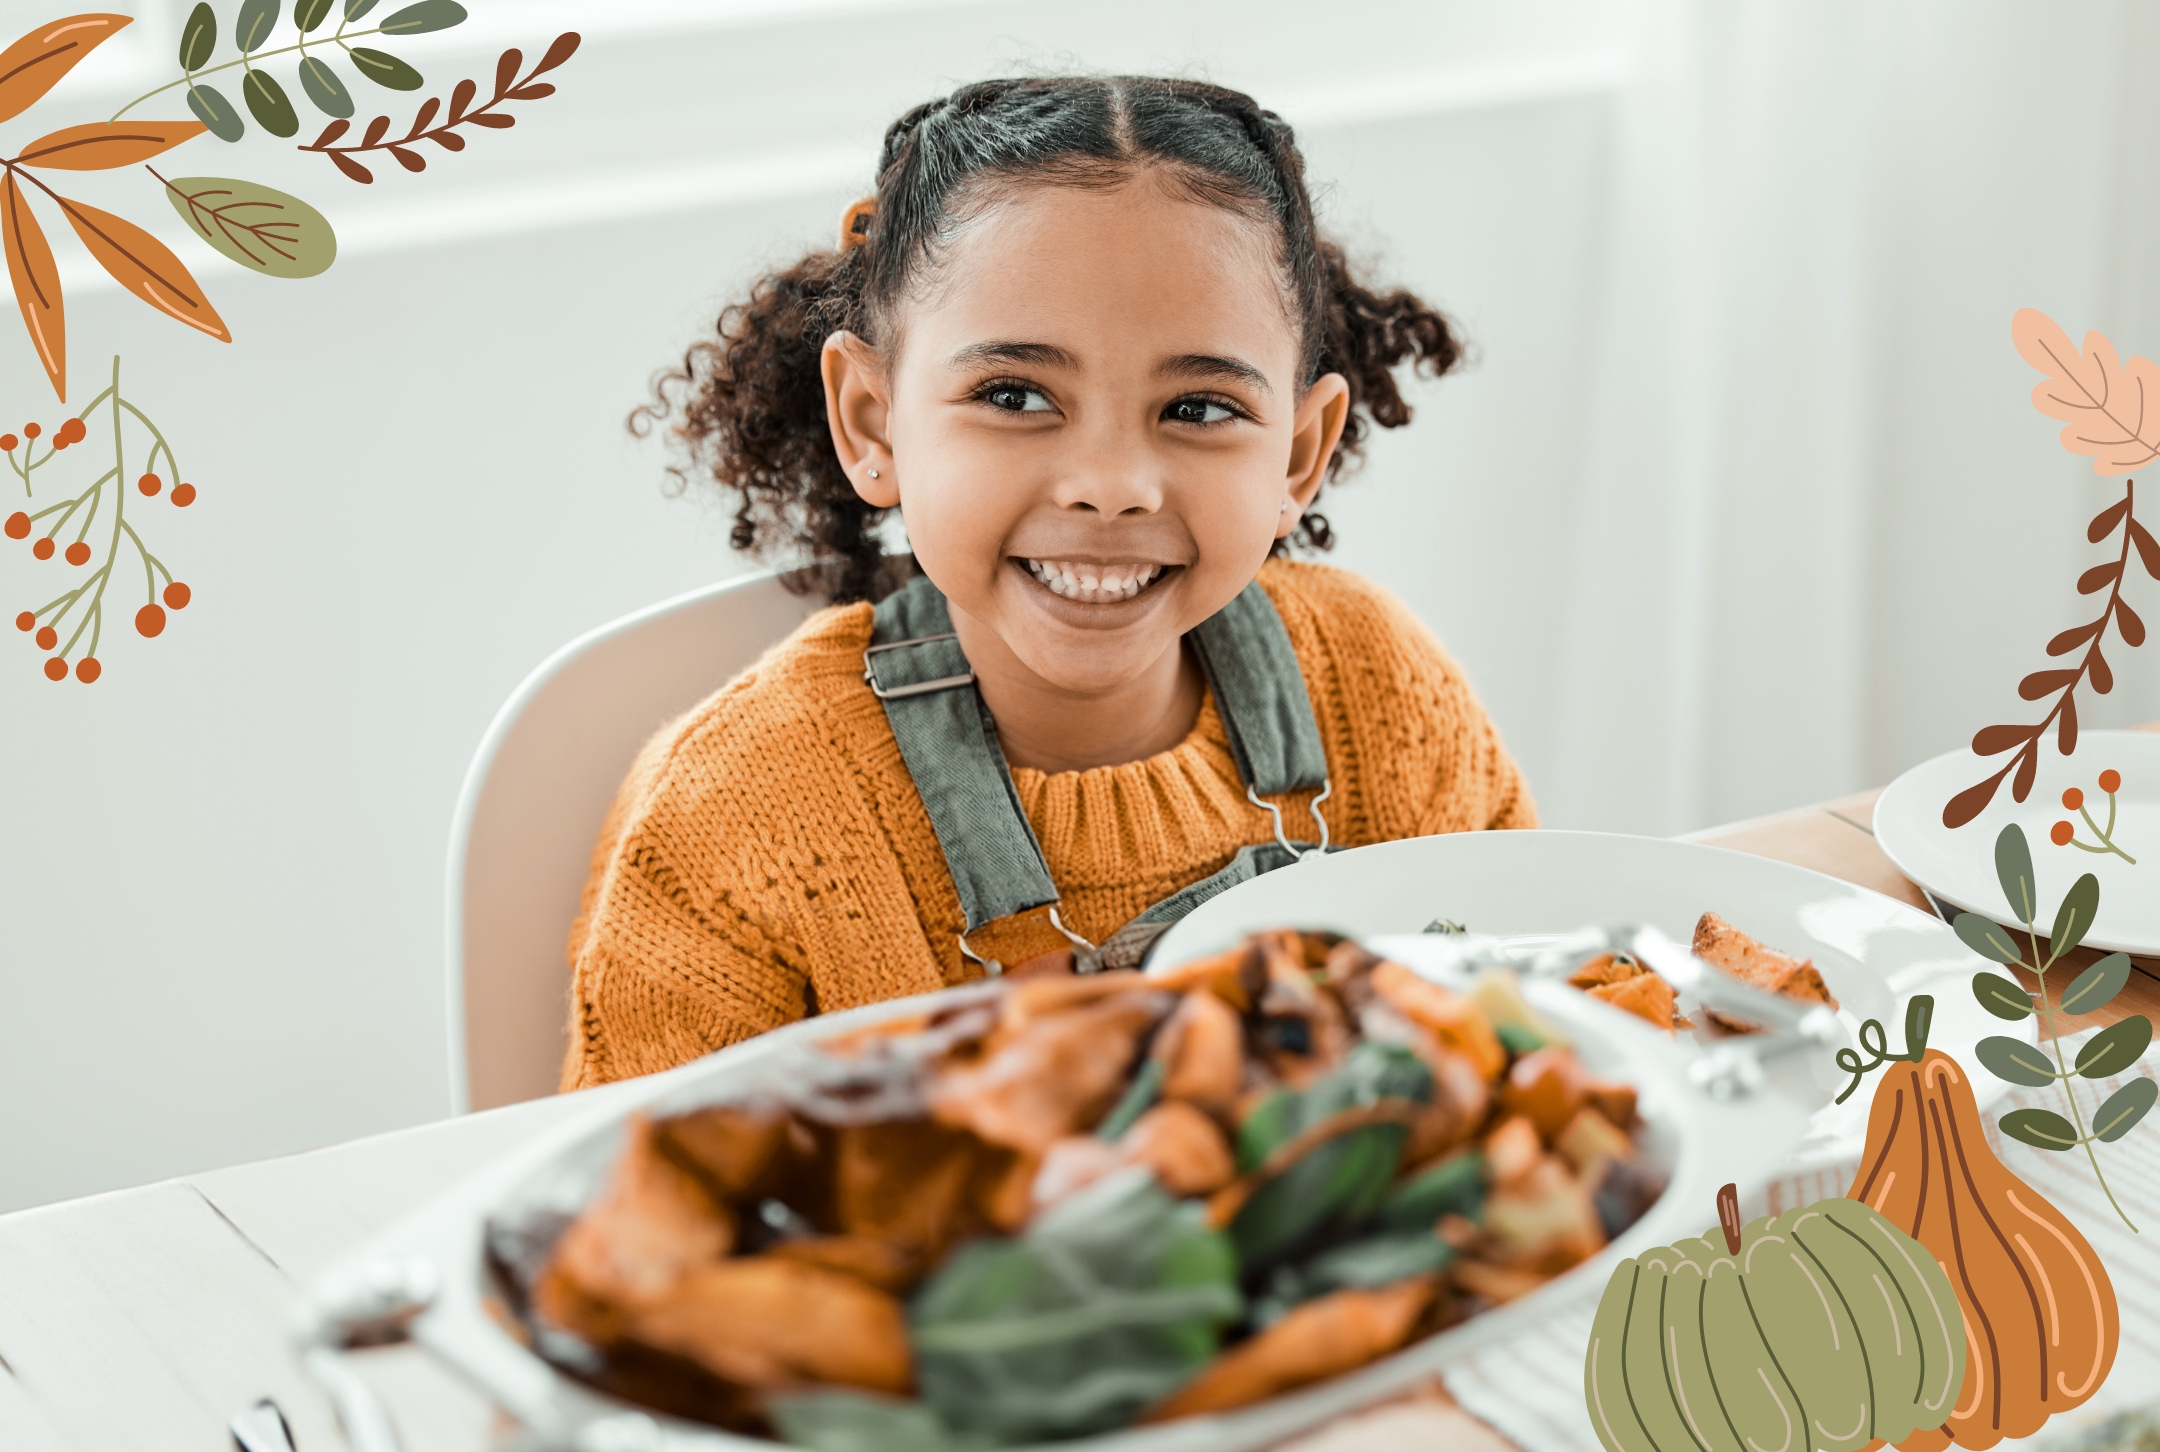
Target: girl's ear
1315, 431
858, 409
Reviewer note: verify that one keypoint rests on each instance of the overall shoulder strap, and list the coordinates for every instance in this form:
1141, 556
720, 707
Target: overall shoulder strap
916, 668
1260, 691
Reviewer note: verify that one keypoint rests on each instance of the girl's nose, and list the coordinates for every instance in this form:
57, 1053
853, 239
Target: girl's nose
1111, 480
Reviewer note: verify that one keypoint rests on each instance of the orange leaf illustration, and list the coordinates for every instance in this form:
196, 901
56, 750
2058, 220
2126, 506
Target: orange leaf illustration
100, 146
2110, 410
144, 266
33, 65
36, 281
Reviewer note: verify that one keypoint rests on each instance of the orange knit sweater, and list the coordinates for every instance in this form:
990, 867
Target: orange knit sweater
769, 857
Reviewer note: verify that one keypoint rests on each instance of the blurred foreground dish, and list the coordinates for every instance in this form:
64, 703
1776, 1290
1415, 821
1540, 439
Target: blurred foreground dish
1084, 1202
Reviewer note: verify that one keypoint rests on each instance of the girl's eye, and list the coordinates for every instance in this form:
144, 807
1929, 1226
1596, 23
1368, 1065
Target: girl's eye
1199, 411
1015, 398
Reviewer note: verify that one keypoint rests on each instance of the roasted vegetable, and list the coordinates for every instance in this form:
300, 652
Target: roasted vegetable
1113, 1298
1069, 1202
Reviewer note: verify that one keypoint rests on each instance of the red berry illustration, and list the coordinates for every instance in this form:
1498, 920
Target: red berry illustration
177, 595
2061, 833
8, 443
18, 525
87, 669
2111, 781
183, 495
149, 484
47, 638
78, 553
42, 549
74, 431
55, 669
150, 619
31, 430
2073, 798
26, 621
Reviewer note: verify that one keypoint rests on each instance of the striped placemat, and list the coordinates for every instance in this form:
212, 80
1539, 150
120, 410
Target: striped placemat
1530, 1386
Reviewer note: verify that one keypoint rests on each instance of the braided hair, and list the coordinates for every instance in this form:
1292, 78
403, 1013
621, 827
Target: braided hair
747, 405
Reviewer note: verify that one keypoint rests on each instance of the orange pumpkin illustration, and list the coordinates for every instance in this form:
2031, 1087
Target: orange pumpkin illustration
2041, 1323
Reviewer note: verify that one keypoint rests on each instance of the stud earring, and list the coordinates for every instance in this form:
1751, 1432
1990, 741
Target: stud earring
873, 473
1284, 510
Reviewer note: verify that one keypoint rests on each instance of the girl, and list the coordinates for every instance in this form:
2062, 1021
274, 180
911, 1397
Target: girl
1085, 338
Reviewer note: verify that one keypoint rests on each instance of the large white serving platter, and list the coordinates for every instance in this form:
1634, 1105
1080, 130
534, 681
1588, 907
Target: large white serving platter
1874, 952
1958, 864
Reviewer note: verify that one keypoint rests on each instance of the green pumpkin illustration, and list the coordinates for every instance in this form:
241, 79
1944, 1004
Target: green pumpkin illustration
1819, 1330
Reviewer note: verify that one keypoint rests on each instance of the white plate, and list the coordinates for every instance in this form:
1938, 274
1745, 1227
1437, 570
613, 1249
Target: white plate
1958, 865
1874, 952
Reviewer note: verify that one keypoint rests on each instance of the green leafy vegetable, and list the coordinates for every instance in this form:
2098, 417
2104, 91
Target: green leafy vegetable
852, 1421
1454, 1186
1109, 1302
1336, 1185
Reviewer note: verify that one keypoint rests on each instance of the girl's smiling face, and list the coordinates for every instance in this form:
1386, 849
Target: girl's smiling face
1093, 429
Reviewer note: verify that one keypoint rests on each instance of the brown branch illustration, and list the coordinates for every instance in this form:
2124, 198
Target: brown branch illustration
509, 86
2063, 683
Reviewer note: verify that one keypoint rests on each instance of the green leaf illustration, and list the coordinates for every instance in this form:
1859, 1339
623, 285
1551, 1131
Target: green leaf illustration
2020, 1063
2123, 1109
252, 26
426, 16
2075, 917
214, 111
354, 9
2097, 984
268, 104
256, 226
324, 88
2115, 1048
385, 69
1999, 996
198, 38
1987, 937
2014, 869
310, 13
2040, 1129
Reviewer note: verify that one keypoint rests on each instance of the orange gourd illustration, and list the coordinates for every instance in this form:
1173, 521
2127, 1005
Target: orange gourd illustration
2041, 1323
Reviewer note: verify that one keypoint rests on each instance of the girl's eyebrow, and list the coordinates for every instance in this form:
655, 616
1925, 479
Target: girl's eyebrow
1212, 365
1040, 355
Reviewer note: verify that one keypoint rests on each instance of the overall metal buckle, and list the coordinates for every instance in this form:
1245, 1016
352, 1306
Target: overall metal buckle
1327, 789
920, 688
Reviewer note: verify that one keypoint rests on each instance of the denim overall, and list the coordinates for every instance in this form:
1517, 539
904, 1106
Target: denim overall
916, 668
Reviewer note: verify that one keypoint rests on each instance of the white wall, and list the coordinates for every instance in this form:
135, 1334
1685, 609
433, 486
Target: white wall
221, 866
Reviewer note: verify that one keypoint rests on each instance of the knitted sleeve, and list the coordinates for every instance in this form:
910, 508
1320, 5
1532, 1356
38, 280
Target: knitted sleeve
1419, 753
669, 959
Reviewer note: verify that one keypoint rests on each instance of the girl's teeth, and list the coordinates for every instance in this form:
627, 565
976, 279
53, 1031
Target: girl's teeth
1093, 584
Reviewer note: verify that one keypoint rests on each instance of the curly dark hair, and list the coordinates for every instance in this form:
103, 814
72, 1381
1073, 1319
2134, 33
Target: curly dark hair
748, 405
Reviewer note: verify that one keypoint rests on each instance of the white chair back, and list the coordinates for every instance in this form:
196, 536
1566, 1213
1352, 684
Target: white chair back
532, 806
